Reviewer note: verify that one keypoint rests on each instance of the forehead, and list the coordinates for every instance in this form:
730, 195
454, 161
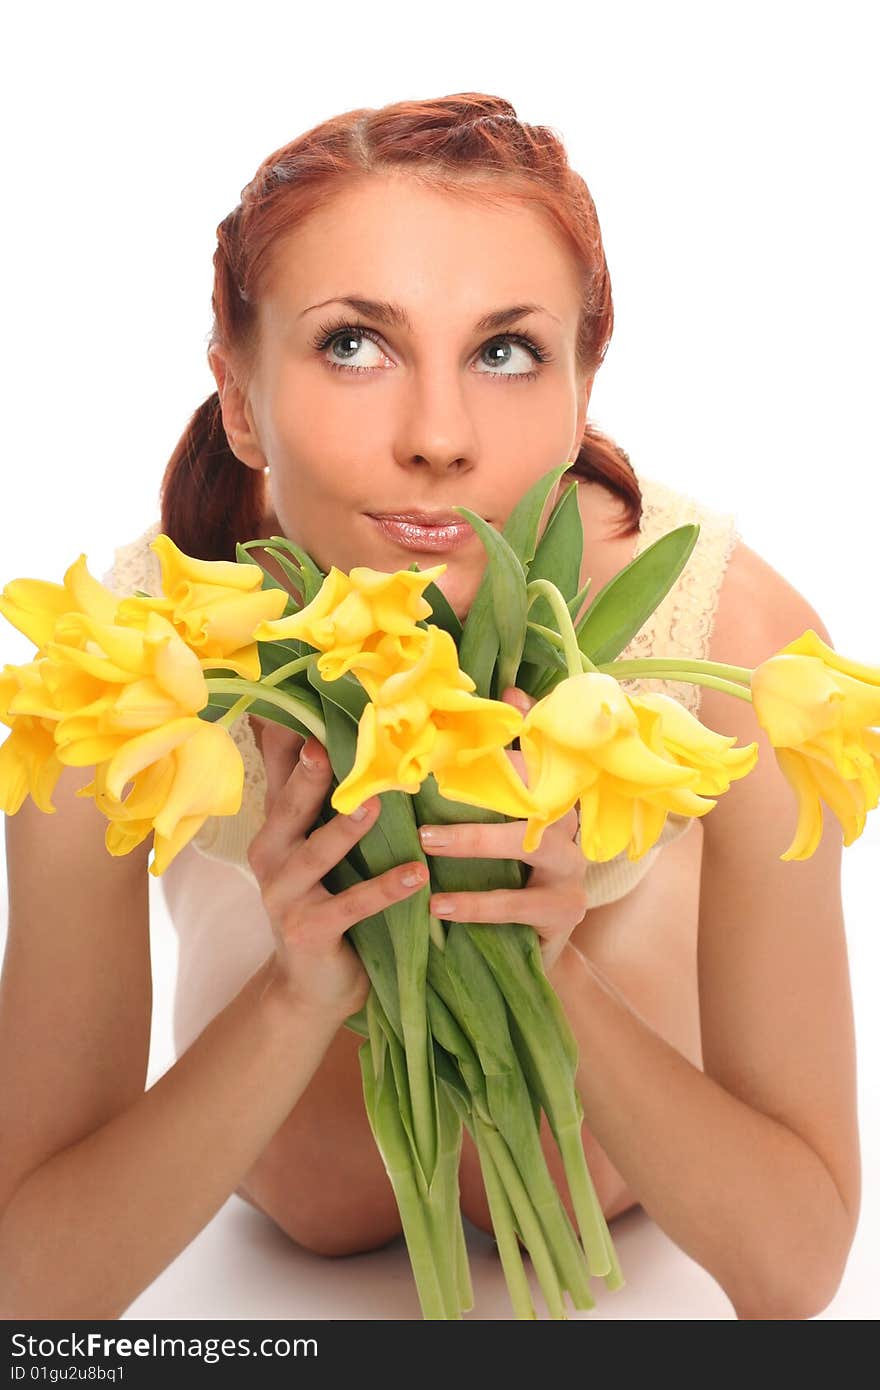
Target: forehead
388, 237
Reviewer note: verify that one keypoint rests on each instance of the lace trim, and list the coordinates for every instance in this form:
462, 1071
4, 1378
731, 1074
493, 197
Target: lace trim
682, 625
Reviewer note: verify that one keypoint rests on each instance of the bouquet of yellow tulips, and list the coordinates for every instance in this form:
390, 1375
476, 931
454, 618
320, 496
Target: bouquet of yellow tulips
461, 1027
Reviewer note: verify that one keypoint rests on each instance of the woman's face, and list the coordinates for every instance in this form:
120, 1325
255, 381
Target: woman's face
356, 416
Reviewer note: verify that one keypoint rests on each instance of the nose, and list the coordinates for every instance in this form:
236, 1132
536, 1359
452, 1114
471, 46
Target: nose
436, 429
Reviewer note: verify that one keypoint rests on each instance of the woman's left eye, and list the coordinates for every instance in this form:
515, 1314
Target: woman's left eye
329, 335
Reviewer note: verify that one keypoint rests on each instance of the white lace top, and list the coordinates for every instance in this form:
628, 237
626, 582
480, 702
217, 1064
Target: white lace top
681, 625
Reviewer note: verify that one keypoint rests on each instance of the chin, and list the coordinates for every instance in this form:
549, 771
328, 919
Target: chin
458, 598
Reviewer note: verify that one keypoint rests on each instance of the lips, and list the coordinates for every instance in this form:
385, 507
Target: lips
425, 531
420, 518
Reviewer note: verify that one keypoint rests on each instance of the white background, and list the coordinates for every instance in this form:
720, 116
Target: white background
731, 153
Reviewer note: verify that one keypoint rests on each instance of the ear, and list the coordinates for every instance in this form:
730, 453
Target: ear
236, 412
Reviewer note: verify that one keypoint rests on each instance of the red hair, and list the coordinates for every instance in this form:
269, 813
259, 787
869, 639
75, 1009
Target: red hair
467, 144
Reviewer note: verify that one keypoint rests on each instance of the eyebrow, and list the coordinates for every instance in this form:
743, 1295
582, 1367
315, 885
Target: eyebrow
393, 316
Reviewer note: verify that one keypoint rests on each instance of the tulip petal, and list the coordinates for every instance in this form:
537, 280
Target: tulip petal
137, 753
648, 821
208, 781
490, 781
178, 568
794, 698
808, 832
34, 607
811, 644
627, 758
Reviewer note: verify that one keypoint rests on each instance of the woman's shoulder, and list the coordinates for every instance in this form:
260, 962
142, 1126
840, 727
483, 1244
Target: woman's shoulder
758, 608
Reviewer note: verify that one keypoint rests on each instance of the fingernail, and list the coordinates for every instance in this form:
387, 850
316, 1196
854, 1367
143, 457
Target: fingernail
442, 907
308, 757
434, 835
359, 813
411, 877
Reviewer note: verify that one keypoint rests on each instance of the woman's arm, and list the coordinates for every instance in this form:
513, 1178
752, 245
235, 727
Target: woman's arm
751, 1167
102, 1185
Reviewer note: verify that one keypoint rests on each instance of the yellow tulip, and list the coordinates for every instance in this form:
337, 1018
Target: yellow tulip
183, 772
364, 614
214, 606
817, 708
673, 732
29, 764
140, 680
95, 687
184, 769
35, 605
424, 719
628, 761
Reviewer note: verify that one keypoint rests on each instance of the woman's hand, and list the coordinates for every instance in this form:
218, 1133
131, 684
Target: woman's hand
554, 900
316, 966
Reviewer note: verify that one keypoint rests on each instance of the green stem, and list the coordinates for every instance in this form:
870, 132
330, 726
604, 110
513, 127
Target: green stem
436, 932
733, 680
566, 638
384, 1117
300, 663
525, 1217
257, 690
586, 1202
504, 1230
291, 669
544, 1032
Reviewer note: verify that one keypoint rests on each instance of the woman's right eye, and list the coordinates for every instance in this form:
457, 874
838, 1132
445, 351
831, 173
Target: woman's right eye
346, 340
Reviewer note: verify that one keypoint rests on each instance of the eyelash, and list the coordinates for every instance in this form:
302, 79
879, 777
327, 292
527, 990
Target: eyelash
328, 331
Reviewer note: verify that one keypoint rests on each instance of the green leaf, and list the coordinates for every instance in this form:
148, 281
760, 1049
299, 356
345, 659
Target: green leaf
479, 644
346, 694
312, 577
558, 558
294, 572
576, 604
442, 613
358, 1023
622, 608
279, 653
559, 555
478, 647
508, 582
521, 527
269, 581
540, 652
371, 940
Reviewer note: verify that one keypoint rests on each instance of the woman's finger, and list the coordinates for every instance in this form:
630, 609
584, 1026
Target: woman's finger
310, 928
280, 748
295, 792
512, 695
553, 911
473, 840
309, 859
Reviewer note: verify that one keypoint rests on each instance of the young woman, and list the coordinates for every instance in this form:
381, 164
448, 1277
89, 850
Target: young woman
410, 308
